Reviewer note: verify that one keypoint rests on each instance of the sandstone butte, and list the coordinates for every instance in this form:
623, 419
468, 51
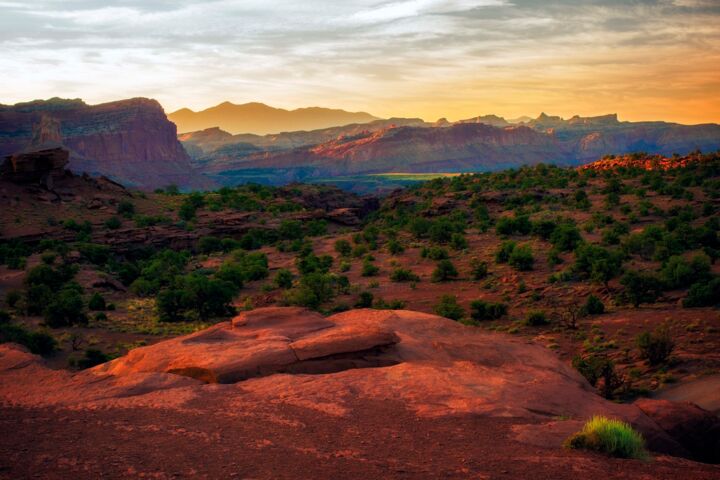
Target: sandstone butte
288, 393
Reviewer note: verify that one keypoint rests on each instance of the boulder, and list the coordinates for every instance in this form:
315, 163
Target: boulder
695, 429
35, 166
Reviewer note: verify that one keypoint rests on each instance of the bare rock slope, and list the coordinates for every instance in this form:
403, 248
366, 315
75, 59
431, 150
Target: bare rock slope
299, 370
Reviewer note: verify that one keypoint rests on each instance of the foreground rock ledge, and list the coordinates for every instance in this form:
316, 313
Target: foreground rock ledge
433, 366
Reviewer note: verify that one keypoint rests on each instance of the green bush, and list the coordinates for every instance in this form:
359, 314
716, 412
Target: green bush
679, 273
395, 247
504, 251
365, 300
593, 306
613, 437
96, 302
315, 289
444, 271
12, 298
210, 244
195, 294
703, 294
478, 269
92, 358
536, 318
641, 287
434, 253
596, 367
283, 278
66, 308
113, 223
565, 237
404, 275
449, 308
481, 310
655, 347
369, 269
40, 343
126, 209
343, 247
458, 241
522, 258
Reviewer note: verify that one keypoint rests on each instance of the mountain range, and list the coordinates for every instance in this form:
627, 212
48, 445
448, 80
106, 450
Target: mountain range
261, 119
134, 143
413, 146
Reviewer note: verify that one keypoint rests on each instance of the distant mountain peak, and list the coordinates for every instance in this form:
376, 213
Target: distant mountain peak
261, 119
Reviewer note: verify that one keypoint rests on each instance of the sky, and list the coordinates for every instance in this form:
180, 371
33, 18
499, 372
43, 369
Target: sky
645, 60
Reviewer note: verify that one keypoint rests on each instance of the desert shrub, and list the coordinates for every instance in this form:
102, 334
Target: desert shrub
12, 298
395, 247
612, 437
365, 300
195, 294
40, 343
543, 228
92, 358
210, 244
481, 310
597, 263
66, 308
596, 367
641, 287
96, 302
703, 294
4, 317
535, 318
310, 263
343, 247
283, 278
113, 223
458, 241
290, 230
593, 306
419, 227
518, 225
404, 275
478, 269
314, 289
444, 271
382, 304
94, 253
126, 209
434, 253
369, 269
679, 273
504, 251
522, 258
449, 308
565, 237
655, 347
316, 228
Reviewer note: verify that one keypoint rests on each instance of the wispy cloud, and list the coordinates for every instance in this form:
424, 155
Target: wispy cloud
455, 58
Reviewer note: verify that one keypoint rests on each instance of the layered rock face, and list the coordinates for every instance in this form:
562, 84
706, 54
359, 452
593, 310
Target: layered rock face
480, 144
129, 141
291, 357
35, 166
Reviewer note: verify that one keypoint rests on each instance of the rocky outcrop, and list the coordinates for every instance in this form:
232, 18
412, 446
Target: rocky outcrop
39, 166
284, 359
129, 141
695, 429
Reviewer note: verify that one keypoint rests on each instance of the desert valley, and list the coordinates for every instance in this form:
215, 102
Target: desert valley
262, 292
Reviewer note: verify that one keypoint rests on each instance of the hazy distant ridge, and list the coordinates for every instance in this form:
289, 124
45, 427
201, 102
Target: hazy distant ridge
261, 119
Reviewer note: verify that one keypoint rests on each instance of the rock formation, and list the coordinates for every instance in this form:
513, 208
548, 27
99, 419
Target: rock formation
39, 166
479, 144
129, 141
432, 365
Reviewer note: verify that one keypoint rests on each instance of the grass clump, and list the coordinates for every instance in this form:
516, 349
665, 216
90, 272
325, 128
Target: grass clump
610, 436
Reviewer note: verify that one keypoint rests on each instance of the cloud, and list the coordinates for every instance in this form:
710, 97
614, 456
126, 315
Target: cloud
431, 58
